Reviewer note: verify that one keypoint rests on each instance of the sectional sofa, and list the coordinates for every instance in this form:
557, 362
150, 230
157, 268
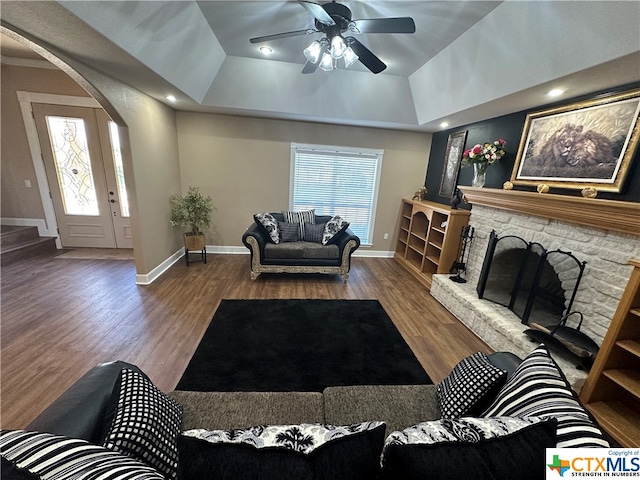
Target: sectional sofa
492, 417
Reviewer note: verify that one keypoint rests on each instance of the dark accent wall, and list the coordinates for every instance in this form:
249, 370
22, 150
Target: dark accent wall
509, 127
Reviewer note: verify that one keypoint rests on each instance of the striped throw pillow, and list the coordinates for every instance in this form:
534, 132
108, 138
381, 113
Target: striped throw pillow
538, 388
300, 218
55, 457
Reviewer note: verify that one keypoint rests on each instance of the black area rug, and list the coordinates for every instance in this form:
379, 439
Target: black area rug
300, 345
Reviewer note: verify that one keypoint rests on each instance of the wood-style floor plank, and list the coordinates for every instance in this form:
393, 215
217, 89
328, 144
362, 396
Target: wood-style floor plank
60, 317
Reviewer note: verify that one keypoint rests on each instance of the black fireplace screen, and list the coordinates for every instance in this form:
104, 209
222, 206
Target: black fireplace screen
536, 284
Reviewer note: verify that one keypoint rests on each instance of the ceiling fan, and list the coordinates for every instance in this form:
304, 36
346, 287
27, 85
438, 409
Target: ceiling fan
333, 19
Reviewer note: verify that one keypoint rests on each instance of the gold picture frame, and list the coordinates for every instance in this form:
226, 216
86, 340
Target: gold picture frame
452, 159
585, 144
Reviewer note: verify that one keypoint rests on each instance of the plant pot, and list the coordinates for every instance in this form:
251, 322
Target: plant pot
194, 241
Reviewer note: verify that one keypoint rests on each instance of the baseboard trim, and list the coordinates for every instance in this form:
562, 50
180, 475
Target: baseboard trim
372, 253
149, 278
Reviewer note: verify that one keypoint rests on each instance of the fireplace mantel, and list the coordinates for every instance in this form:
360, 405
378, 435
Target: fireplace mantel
591, 212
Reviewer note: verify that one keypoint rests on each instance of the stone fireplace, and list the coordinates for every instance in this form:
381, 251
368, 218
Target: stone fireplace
603, 233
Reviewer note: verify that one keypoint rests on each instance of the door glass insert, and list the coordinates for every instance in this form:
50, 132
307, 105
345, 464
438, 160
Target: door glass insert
117, 163
73, 165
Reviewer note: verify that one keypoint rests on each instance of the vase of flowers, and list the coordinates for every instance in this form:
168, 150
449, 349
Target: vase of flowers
481, 156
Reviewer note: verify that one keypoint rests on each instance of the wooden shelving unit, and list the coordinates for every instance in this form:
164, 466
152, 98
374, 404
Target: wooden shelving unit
428, 238
612, 389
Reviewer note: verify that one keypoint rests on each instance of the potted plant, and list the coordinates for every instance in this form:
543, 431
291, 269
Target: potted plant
192, 210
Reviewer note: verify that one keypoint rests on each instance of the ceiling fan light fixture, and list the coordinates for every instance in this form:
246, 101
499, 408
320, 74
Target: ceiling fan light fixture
338, 47
350, 57
326, 63
313, 51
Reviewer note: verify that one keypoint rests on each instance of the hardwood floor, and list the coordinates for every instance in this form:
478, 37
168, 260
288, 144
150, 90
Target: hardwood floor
60, 317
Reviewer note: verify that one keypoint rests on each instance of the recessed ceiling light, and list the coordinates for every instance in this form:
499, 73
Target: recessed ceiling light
171, 98
556, 92
266, 50
444, 125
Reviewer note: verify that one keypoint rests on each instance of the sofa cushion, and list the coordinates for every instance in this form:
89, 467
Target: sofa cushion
300, 219
227, 410
538, 388
400, 406
288, 232
470, 387
260, 453
35, 455
469, 448
269, 224
301, 250
314, 232
332, 228
145, 423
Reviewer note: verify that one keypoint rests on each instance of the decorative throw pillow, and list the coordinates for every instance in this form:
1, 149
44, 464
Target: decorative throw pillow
469, 448
333, 227
470, 386
34, 455
269, 224
300, 218
146, 423
288, 231
538, 388
313, 232
309, 451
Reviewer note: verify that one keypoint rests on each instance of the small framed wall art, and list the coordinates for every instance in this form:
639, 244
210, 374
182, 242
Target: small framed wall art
452, 159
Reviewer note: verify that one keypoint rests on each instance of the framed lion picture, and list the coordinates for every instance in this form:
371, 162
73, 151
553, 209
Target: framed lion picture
585, 144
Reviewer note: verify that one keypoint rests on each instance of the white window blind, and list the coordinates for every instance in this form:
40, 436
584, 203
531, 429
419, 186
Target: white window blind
337, 181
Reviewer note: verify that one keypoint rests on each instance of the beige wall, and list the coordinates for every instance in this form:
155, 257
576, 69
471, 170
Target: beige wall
243, 163
18, 201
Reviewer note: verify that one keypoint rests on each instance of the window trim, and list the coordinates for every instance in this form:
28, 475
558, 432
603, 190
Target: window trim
354, 151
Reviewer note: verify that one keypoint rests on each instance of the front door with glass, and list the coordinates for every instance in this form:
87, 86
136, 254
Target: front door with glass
83, 165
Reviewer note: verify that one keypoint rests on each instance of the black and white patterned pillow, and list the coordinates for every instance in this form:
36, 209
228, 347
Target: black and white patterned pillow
300, 218
146, 423
493, 447
470, 386
314, 232
538, 388
302, 438
306, 451
54, 457
269, 224
333, 227
288, 231
466, 429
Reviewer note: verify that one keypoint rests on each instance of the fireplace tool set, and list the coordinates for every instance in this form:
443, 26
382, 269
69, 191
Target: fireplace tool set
460, 264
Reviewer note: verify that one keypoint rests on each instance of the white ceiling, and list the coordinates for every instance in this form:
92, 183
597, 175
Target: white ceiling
467, 61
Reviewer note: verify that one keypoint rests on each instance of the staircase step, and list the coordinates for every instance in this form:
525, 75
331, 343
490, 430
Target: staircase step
15, 235
27, 249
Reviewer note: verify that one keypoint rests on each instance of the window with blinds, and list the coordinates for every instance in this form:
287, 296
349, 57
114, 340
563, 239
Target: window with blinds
337, 181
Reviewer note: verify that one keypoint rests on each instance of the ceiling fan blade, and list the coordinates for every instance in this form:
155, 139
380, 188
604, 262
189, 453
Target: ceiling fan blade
310, 67
278, 36
318, 12
383, 25
366, 56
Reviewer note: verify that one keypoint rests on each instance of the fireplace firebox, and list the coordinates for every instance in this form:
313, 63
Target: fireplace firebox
539, 286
